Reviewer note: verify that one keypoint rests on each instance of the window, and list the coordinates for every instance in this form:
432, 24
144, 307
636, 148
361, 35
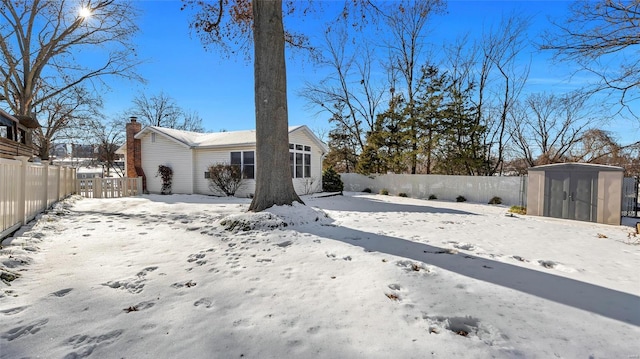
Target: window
246, 161
300, 160
207, 175
7, 128
22, 136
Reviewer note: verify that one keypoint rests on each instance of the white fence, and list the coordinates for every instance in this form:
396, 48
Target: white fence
27, 189
109, 187
512, 190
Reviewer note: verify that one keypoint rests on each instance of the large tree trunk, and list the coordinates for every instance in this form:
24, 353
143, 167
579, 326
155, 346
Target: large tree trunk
274, 185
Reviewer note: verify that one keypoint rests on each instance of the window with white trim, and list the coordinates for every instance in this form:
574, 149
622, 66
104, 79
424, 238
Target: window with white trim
300, 160
246, 161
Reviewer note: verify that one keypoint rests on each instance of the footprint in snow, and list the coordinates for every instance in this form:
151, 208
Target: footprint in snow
17, 332
547, 263
12, 311
62, 292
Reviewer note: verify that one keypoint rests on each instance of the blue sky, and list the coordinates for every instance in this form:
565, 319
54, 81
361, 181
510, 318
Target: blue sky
220, 89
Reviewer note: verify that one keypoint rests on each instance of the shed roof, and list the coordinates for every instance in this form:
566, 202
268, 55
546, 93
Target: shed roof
575, 166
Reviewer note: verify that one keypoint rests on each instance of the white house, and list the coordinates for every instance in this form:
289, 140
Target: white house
189, 155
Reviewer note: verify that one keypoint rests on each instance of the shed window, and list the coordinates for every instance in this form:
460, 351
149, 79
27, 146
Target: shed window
246, 161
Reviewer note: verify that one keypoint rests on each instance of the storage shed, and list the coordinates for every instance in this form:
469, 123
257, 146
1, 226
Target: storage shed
580, 191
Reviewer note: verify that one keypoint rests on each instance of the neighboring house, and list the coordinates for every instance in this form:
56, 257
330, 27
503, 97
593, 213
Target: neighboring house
189, 155
89, 172
15, 136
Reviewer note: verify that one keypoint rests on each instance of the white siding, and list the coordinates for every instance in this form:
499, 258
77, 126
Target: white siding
169, 153
206, 157
304, 185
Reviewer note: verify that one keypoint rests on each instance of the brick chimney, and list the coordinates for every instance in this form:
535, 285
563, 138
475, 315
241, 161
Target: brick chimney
134, 148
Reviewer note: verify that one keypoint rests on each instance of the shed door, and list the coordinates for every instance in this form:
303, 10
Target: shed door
571, 195
583, 196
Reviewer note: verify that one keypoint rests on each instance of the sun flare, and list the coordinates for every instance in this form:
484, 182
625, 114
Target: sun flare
84, 12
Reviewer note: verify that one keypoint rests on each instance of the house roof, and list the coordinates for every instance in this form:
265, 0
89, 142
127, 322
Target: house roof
219, 139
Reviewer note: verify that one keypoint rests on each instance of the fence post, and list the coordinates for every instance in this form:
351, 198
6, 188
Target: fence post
58, 197
139, 186
22, 191
45, 181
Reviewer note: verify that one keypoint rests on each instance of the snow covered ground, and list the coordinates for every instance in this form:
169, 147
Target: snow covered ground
354, 276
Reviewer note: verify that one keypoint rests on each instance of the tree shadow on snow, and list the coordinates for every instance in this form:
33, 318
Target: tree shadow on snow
367, 204
596, 299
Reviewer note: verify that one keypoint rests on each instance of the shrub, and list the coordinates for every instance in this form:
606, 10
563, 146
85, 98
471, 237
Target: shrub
166, 174
518, 209
461, 199
432, 197
225, 178
384, 192
367, 190
495, 200
331, 181
402, 194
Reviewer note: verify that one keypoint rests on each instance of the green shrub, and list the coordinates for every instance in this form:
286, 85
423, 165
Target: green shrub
518, 209
402, 194
461, 199
432, 197
495, 200
367, 190
331, 181
384, 192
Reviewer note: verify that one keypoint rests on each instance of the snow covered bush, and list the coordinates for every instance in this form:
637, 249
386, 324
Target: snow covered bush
461, 199
225, 178
495, 200
166, 173
384, 192
402, 194
432, 197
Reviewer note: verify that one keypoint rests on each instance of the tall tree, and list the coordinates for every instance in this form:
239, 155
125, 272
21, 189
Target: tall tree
407, 24
598, 34
40, 38
274, 185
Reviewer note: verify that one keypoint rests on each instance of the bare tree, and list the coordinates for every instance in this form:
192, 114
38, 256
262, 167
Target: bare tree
550, 126
500, 50
218, 25
64, 118
40, 38
596, 33
162, 110
348, 94
108, 137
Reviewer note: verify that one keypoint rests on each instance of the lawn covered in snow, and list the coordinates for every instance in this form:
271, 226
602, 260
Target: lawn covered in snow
354, 276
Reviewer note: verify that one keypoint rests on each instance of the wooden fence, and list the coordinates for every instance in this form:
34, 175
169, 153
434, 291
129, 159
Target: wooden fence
109, 187
27, 189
